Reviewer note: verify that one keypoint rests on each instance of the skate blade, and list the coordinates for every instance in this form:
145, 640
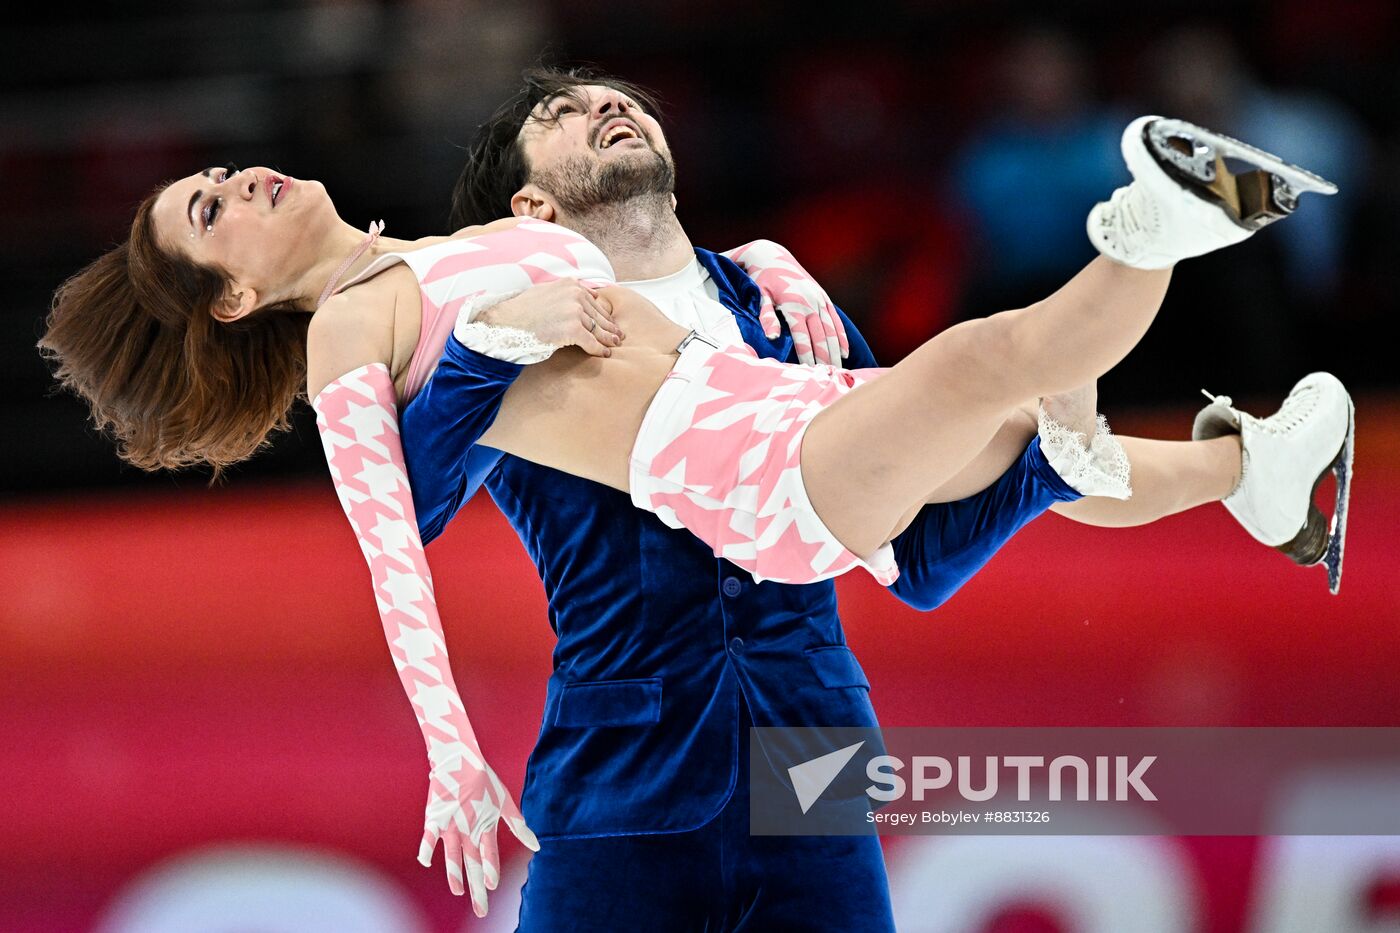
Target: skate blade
1253, 199
1318, 542
1337, 537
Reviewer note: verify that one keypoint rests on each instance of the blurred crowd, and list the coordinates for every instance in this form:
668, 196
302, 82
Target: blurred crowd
927, 162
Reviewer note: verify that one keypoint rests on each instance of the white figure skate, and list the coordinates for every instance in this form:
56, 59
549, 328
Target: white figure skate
1285, 457
1185, 200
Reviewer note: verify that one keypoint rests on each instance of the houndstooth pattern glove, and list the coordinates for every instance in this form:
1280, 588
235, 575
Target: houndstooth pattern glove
358, 420
818, 334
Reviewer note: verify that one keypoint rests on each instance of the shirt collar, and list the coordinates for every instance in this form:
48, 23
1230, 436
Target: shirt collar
741, 295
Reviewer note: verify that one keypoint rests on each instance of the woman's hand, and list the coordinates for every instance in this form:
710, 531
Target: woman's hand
561, 313
465, 802
818, 334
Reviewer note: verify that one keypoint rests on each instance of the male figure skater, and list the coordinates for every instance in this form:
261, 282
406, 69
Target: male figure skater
637, 786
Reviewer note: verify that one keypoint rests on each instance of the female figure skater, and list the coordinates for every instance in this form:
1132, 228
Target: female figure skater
751, 455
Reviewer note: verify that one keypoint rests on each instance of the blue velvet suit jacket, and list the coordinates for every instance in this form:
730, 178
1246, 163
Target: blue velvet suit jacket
657, 637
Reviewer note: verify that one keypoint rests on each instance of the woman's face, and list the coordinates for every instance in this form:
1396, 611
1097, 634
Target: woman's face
255, 224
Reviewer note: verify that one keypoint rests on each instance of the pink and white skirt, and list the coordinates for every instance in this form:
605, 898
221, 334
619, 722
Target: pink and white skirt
719, 453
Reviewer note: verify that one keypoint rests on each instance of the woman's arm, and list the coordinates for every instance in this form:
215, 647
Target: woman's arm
357, 416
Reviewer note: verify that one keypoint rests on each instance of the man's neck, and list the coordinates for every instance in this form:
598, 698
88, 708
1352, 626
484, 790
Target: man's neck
642, 237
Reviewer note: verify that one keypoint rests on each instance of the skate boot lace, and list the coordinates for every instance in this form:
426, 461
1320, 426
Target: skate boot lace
1293, 412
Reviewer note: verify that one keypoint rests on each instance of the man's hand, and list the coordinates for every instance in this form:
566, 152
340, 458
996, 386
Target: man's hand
561, 313
818, 335
465, 802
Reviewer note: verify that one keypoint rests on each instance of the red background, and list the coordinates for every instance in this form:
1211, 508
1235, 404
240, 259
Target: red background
189, 668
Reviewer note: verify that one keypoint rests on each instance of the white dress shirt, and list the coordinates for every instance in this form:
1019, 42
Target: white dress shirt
691, 299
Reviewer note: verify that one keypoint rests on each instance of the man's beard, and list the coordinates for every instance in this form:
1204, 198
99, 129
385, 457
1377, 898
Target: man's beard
581, 184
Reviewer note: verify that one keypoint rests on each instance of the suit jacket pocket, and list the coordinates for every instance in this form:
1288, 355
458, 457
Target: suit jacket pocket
634, 702
836, 666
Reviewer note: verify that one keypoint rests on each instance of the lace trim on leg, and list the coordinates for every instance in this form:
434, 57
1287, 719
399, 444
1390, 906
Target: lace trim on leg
1100, 468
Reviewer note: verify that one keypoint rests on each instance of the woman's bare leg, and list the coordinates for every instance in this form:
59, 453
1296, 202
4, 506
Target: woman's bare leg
1167, 477
877, 451
1003, 450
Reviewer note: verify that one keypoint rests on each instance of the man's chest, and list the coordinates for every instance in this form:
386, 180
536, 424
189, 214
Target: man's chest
694, 306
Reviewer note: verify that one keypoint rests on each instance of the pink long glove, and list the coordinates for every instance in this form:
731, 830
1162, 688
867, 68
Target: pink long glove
818, 335
358, 419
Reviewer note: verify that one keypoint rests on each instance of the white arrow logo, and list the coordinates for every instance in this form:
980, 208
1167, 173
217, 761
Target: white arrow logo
810, 778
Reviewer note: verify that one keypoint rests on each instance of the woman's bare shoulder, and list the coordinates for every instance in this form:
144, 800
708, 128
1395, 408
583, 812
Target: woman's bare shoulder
351, 330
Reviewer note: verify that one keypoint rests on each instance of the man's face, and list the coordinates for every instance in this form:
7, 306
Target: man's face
596, 146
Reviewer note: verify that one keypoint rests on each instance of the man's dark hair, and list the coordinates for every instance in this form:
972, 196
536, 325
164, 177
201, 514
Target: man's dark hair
496, 166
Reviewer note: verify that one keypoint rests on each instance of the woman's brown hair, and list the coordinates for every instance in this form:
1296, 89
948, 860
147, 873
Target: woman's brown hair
134, 334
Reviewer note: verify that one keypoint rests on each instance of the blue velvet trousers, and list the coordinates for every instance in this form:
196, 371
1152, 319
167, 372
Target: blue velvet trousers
715, 879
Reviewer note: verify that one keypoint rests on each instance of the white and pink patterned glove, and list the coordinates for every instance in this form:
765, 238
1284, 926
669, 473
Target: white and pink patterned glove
818, 335
357, 415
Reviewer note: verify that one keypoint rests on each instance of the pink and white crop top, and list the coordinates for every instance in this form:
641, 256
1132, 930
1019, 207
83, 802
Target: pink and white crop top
475, 272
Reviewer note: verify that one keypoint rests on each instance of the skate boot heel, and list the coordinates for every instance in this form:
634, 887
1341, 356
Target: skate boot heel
1320, 542
1310, 546
1256, 204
